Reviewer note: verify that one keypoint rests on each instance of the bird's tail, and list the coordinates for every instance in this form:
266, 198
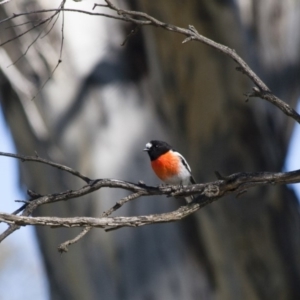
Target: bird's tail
190, 199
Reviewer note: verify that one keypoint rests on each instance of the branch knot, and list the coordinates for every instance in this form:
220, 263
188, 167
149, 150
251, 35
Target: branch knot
211, 191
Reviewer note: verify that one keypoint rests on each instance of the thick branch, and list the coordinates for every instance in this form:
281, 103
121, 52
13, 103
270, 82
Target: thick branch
104, 222
208, 192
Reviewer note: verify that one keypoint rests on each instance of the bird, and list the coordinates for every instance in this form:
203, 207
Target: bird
169, 165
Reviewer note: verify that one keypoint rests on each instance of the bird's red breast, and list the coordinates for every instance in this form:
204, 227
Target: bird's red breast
166, 165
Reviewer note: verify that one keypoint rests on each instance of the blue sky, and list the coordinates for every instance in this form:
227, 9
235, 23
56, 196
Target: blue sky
293, 157
21, 271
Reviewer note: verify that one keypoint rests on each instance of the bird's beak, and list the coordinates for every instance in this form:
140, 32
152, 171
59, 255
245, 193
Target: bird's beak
147, 147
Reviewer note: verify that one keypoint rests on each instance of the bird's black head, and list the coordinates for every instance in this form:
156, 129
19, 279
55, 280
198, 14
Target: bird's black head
157, 148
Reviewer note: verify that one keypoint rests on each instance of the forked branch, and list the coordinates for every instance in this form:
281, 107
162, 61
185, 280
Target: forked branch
206, 193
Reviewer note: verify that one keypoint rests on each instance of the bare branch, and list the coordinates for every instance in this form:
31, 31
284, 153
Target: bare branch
64, 246
26, 31
42, 11
209, 192
24, 23
36, 158
262, 91
11, 228
48, 20
131, 33
122, 202
61, 7
141, 18
103, 222
276, 101
50, 29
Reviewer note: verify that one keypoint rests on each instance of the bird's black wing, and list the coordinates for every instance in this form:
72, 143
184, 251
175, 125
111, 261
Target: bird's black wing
192, 180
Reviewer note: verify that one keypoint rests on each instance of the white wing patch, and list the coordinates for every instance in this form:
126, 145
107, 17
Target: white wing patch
183, 161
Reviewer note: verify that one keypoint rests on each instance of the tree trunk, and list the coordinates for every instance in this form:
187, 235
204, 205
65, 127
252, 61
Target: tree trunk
104, 103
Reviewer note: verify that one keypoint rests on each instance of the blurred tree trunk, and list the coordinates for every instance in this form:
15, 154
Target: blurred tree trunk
104, 103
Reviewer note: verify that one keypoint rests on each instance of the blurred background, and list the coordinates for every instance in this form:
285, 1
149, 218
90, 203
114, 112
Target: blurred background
101, 106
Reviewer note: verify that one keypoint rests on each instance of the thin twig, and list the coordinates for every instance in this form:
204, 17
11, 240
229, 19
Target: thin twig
52, 26
120, 203
24, 158
26, 31
131, 33
47, 80
100, 5
35, 39
41, 11
11, 228
268, 96
60, 52
64, 246
24, 23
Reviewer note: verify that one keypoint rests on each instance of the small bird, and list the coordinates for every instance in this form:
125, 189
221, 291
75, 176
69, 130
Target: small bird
169, 165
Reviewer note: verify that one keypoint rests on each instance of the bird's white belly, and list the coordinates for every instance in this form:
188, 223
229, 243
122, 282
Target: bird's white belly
182, 178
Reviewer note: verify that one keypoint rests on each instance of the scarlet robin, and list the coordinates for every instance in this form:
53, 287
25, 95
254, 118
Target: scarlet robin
169, 165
